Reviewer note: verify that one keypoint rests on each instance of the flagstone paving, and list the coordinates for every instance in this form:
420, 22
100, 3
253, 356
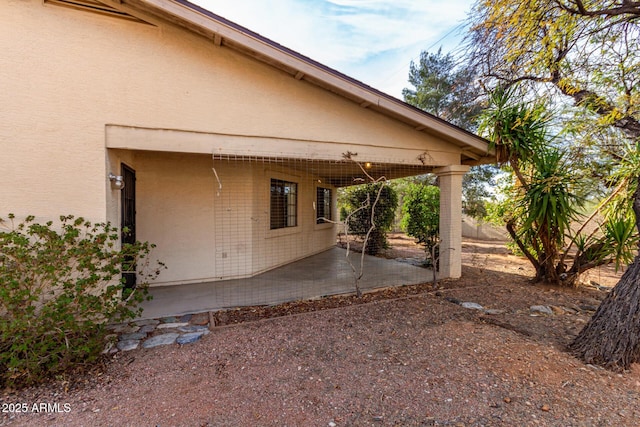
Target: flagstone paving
152, 333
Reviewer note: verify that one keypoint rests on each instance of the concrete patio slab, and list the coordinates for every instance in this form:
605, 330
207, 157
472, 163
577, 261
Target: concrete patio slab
327, 273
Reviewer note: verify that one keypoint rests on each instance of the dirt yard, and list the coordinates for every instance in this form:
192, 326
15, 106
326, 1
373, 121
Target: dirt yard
411, 356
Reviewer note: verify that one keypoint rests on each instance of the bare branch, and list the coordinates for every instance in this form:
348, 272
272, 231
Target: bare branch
582, 97
358, 273
628, 10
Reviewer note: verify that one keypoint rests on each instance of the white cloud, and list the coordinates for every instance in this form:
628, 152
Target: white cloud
370, 40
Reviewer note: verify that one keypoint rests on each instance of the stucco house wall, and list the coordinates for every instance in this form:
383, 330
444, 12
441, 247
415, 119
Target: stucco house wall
68, 73
84, 93
215, 226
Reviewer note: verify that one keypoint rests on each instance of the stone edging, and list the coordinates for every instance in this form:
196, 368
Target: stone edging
156, 332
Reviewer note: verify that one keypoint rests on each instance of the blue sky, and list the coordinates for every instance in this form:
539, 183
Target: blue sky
373, 41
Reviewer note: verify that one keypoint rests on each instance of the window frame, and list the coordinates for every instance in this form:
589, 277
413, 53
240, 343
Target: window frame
288, 204
324, 207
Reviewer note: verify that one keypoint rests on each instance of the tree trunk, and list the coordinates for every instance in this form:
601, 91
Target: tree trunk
612, 337
549, 257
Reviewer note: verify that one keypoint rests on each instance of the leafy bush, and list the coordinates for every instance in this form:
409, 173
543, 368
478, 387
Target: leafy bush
59, 287
364, 201
421, 215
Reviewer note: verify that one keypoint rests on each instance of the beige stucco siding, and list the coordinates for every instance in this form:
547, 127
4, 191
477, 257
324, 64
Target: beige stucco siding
66, 74
273, 248
83, 93
180, 141
216, 225
176, 211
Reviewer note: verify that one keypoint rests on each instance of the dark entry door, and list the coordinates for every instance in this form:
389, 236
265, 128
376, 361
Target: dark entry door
128, 222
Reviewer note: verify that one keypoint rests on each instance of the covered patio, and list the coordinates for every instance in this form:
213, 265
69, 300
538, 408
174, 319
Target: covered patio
327, 273
233, 148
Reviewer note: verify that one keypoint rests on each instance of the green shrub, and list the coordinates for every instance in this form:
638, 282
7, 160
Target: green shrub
59, 287
421, 215
363, 202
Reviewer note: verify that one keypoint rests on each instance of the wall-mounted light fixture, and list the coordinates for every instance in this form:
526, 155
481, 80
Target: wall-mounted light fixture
117, 181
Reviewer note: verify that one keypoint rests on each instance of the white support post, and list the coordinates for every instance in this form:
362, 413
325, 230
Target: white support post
451, 220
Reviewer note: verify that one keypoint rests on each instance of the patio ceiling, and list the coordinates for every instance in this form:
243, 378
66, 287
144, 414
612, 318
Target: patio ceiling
347, 172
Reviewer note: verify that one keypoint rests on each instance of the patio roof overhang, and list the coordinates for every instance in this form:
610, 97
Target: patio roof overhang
222, 32
337, 164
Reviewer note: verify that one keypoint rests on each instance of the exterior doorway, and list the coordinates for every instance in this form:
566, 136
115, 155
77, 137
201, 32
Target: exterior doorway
128, 222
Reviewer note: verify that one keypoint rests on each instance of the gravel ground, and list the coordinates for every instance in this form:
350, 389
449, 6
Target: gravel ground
410, 358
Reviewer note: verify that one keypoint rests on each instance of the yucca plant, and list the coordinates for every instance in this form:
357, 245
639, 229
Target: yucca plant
515, 131
548, 196
550, 203
620, 235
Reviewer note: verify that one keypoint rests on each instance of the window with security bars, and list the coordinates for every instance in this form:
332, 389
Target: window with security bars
323, 205
284, 204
